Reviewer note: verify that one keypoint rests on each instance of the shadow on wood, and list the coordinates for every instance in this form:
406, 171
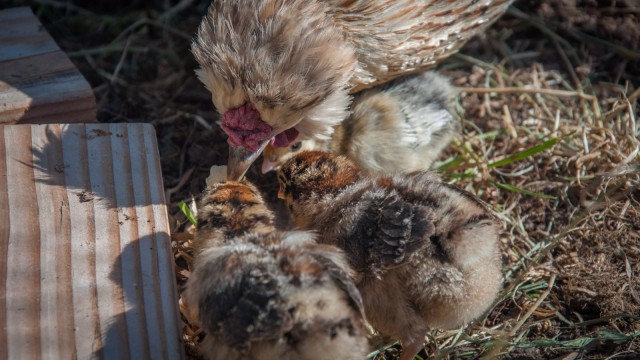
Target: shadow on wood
112, 166
145, 324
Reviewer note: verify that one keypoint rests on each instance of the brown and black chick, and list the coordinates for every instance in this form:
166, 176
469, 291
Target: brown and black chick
263, 294
425, 253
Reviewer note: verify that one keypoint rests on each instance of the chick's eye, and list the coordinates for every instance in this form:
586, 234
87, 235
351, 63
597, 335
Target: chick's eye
296, 146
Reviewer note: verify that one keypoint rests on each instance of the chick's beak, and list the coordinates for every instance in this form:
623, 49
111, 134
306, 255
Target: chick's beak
241, 158
269, 164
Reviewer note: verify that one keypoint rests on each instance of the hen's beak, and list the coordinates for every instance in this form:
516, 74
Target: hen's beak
240, 158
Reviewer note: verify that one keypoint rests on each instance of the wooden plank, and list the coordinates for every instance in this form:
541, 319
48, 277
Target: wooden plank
130, 249
164, 255
83, 233
57, 331
4, 244
22, 278
84, 245
38, 82
21, 36
148, 250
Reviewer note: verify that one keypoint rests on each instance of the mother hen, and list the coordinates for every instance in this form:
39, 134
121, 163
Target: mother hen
277, 68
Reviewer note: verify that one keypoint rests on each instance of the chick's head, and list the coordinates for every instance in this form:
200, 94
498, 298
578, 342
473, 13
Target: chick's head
271, 75
273, 157
314, 173
233, 208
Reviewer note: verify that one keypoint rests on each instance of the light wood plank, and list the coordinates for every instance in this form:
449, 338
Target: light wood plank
56, 329
4, 244
164, 255
110, 296
23, 251
94, 266
147, 242
38, 82
129, 246
83, 232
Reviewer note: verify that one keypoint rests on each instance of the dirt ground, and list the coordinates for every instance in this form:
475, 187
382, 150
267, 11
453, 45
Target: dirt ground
549, 101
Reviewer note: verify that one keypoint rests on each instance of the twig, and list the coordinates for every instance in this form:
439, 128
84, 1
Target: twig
66, 5
183, 180
536, 22
114, 76
496, 349
175, 9
475, 61
107, 49
621, 50
576, 81
508, 121
523, 90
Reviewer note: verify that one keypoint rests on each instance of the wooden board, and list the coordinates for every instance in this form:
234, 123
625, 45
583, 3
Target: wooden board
38, 82
86, 267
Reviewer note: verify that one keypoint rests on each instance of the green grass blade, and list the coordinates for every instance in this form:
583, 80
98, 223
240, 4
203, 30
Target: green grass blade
526, 192
615, 336
457, 160
490, 134
524, 154
187, 212
381, 350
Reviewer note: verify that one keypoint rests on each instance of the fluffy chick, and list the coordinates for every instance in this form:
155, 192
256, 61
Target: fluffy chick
263, 294
401, 126
425, 252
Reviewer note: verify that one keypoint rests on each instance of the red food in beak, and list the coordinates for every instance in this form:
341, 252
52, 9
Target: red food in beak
244, 127
248, 136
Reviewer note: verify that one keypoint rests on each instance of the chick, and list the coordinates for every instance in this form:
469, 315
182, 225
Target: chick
401, 126
263, 294
277, 69
425, 253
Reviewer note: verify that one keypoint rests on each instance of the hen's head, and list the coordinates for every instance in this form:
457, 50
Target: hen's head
275, 68
313, 173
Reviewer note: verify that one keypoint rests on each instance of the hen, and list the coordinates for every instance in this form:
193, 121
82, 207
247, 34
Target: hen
399, 126
425, 253
277, 68
263, 294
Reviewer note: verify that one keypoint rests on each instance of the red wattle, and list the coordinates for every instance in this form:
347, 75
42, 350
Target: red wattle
285, 138
244, 127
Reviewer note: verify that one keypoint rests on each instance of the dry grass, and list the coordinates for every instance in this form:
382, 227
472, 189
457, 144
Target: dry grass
549, 99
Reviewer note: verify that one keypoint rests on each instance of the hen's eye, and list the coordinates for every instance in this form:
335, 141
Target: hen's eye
296, 146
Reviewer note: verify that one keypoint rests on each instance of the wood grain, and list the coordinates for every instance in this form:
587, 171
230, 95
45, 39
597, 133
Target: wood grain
86, 267
38, 82
4, 244
23, 251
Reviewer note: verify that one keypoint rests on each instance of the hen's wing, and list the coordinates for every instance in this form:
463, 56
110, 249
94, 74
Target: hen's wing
396, 37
